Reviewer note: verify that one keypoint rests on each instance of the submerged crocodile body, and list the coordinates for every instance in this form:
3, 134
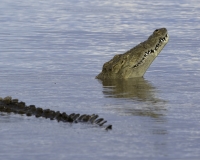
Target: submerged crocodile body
136, 61
9, 105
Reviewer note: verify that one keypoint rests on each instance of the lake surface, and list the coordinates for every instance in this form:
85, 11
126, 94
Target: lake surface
51, 52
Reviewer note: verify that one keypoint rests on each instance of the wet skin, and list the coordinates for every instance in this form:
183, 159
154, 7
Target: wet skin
137, 60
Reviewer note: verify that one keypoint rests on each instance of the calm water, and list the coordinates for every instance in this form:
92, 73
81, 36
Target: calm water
52, 50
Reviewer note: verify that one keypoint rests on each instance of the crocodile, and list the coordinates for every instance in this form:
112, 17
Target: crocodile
132, 63
137, 60
9, 105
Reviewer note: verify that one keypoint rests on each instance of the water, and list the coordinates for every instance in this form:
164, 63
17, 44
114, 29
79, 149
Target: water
51, 52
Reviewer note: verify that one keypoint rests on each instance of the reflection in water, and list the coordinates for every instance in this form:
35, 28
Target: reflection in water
137, 88
140, 91
139, 100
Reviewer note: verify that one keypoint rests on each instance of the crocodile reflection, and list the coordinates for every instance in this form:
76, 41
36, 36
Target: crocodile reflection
140, 91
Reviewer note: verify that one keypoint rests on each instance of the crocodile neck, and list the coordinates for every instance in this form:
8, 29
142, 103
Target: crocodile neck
137, 60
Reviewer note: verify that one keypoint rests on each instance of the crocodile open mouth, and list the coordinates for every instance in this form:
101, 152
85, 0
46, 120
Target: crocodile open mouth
151, 51
136, 61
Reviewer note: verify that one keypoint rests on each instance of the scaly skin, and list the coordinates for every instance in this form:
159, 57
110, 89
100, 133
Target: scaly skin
8, 105
136, 61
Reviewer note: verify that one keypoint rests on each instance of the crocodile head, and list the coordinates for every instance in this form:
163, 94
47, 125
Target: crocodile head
137, 60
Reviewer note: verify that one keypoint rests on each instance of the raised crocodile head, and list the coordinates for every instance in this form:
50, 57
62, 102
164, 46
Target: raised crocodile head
137, 60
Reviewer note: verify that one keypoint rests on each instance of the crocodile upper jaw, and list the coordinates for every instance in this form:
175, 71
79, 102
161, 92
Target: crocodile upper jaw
139, 69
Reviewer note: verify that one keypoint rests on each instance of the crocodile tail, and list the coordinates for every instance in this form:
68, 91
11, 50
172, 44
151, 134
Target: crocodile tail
9, 105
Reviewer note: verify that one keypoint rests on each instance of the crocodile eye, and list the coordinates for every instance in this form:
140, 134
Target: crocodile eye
156, 30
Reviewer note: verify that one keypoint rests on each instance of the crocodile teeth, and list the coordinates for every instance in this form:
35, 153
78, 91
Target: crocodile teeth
151, 51
161, 40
